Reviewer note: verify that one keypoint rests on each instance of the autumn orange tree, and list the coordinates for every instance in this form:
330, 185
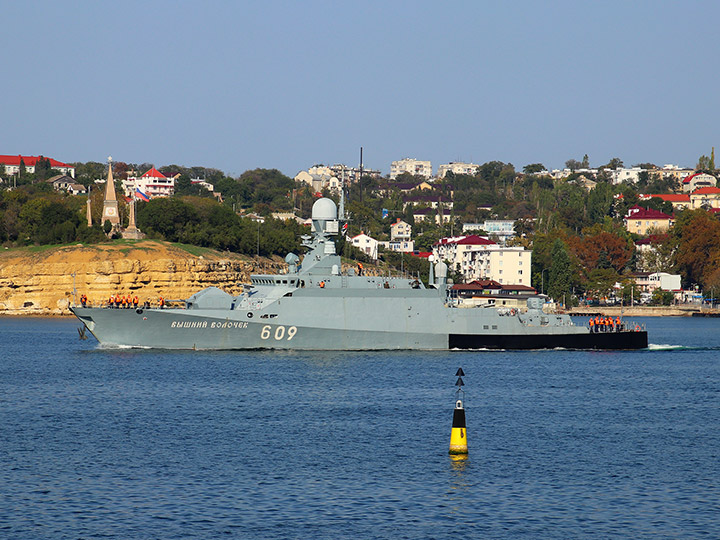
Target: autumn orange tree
697, 234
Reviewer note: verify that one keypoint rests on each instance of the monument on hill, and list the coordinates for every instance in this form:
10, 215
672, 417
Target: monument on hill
110, 204
132, 232
111, 211
88, 207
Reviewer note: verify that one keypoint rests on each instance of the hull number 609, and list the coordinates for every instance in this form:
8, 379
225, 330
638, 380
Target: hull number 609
279, 333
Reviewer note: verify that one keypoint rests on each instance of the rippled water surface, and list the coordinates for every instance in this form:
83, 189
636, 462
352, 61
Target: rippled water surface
153, 444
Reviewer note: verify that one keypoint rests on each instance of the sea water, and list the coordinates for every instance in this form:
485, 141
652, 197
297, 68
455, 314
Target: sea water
98, 443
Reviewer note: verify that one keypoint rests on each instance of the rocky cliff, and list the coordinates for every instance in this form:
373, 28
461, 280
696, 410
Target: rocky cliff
42, 281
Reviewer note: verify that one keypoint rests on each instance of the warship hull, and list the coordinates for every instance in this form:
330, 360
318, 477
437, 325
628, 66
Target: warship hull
318, 306
184, 329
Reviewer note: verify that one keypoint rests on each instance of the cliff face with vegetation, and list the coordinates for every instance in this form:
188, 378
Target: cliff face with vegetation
41, 282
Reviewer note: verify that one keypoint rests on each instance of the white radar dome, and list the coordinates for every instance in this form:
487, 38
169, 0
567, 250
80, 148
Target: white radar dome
324, 209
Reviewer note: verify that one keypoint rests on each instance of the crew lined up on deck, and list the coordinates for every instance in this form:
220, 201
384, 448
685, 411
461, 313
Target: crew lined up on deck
120, 301
602, 323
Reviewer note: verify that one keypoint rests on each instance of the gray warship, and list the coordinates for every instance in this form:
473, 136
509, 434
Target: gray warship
317, 306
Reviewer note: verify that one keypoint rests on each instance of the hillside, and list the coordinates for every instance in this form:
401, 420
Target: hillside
39, 281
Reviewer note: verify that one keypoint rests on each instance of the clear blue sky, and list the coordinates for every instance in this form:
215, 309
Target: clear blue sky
240, 85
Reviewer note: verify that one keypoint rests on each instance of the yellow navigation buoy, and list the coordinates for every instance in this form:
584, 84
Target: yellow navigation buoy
458, 435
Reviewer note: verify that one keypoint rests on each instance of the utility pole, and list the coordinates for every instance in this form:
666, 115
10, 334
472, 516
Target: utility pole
361, 174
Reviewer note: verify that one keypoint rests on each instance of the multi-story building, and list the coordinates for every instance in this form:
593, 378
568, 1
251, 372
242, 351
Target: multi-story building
400, 237
351, 175
698, 180
412, 166
476, 257
457, 168
626, 176
318, 178
153, 184
12, 165
705, 197
400, 230
643, 221
676, 172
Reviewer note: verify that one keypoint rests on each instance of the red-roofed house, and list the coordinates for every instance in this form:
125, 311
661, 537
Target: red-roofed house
679, 201
476, 257
153, 184
698, 180
706, 197
642, 221
490, 292
12, 165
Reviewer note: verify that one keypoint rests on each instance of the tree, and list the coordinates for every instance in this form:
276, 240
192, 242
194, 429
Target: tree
703, 163
697, 234
585, 162
573, 164
534, 168
599, 202
614, 164
561, 273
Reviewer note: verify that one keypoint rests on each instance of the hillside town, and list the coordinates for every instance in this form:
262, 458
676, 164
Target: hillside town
579, 235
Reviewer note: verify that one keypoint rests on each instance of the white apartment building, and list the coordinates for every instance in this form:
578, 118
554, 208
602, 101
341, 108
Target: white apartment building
626, 176
153, 184
457, 168
506, 265
476, 257
412, 166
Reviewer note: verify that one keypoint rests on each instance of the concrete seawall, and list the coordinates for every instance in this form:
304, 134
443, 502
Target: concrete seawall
644, 311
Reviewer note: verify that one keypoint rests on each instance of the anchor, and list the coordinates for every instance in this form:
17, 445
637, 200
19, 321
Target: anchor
81, 332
